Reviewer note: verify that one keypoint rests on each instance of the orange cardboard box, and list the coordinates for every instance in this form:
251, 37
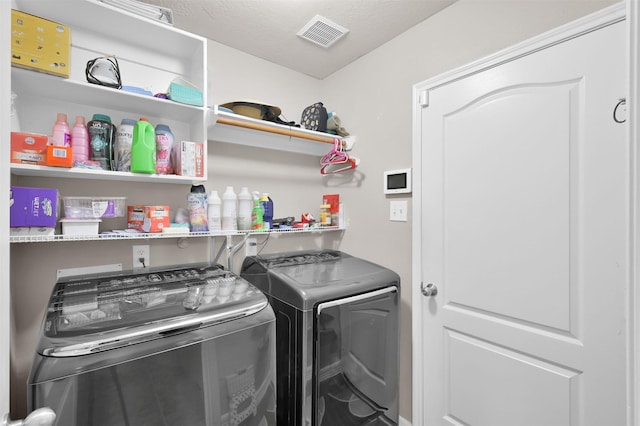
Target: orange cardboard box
59, 156
29, 148
148, 219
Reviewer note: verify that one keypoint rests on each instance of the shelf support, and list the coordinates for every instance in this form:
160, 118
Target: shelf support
286, 131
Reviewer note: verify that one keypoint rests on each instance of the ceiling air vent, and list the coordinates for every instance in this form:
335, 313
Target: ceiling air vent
322, 31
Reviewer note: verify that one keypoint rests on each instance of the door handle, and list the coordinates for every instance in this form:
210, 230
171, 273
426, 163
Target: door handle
429, 290
44, 416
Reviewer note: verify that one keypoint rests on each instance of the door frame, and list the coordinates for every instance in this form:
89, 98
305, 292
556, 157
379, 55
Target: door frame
5, 181
628, 10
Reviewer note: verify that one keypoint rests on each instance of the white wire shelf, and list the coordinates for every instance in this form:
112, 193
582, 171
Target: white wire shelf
160, 235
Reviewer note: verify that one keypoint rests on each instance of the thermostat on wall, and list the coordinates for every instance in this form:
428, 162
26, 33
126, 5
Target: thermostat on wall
397, 181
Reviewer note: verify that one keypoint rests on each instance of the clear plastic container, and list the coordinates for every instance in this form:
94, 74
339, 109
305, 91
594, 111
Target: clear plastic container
94, 207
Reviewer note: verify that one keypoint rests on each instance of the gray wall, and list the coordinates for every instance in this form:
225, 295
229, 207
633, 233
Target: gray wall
372, 96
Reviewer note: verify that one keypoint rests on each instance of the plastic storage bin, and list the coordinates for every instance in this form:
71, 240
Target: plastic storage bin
80, 226
94, 207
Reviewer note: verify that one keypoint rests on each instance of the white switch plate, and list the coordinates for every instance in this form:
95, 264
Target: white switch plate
398, 211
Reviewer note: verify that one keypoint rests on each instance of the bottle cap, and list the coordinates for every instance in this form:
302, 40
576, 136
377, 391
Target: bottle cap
102, 117
199, 189
80, 119
62, 116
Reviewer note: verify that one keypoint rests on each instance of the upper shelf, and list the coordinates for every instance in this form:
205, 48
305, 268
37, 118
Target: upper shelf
238, 129
80, 173
35, 84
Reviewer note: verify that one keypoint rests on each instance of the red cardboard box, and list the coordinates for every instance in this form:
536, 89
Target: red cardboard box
334, 200
29, 148
148, 219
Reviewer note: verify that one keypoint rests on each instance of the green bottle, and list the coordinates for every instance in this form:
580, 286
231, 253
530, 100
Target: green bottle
256, 213
143, 147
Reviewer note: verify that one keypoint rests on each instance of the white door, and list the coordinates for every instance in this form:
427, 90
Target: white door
524, 231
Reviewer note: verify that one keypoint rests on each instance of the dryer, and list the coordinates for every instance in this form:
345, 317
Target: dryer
337, 328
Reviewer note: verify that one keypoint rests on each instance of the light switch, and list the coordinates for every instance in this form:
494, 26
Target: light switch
398, 211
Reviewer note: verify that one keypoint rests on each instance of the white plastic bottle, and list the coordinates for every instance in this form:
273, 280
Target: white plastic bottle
245, 205
229, 210
214, 211
80, 140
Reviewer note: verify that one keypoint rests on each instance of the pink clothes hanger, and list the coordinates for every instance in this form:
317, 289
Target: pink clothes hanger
336, 155
331, 168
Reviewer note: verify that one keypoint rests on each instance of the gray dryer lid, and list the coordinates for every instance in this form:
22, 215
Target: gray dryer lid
94, 313
305, 278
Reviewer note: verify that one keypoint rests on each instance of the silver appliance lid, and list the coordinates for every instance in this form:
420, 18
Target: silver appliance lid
95, 313
305, 278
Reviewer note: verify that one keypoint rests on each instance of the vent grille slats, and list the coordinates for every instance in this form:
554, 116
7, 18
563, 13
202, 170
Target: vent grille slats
322, 31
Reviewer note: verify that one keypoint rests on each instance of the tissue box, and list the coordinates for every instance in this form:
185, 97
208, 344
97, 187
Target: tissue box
37, 207
148, 219
29, 148
40, 44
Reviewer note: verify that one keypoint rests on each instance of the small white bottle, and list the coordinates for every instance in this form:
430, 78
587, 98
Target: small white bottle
244, 209
229, 210
214, 212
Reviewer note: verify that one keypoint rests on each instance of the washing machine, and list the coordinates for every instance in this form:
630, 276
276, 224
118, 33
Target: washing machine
337, 336
186, 345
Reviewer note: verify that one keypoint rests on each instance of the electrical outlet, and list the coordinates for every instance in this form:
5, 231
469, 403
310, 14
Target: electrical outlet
141, 257
251, 247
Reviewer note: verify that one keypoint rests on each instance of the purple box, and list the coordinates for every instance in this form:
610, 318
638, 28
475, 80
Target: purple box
33, 207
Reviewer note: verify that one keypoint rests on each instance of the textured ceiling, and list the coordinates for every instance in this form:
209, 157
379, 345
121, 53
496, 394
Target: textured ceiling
267, 28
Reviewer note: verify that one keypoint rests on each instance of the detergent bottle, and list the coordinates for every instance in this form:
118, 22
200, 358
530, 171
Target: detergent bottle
61, 132
256, 214
197, 202
143, 148
267, 211
214, 214
229, 210
101, 139
245, 206
124, 139
80, 140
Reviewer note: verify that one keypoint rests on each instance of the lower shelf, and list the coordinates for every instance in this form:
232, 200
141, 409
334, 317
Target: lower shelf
111, 237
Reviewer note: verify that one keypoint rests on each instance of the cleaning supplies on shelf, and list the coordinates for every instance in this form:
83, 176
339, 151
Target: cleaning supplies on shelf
143, 147
61, 132
214, 205
229, 210
267, 211
101, 139
124, 140
245, 206
164, 145
256, 214
80, 140
197, 202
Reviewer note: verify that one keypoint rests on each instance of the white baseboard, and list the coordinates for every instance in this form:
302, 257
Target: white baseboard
404, 422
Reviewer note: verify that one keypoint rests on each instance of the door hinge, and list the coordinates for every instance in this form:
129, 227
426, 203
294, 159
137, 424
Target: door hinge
423, 98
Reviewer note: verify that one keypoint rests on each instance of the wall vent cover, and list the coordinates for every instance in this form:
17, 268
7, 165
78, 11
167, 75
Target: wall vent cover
322, 31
